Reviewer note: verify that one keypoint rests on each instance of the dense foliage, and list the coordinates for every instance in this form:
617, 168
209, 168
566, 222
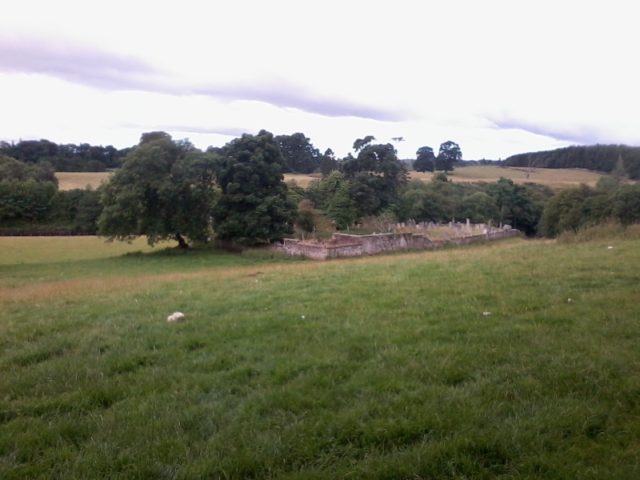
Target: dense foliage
164, 190
15, 170
375, 176
425, 160
299, 155
448, 156
25, 201
253, 207
501, 202
619, 159
65, 158
574, 209
31, 202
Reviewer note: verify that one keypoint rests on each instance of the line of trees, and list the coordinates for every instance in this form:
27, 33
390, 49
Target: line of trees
65, 158
577, 208
299, 155
168, 189
449, 154
30, 201
619, 159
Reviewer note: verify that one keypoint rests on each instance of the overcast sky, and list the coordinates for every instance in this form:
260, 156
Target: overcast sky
497, 77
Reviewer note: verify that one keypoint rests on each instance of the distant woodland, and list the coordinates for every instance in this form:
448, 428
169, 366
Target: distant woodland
619, 159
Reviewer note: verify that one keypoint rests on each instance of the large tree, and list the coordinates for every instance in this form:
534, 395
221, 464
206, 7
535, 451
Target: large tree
300, 156
253, 207
164, 190
425, 160
375, 177
517, 205
448, 155
328, 162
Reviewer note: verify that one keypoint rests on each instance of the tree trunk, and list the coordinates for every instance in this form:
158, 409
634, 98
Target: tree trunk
182, 243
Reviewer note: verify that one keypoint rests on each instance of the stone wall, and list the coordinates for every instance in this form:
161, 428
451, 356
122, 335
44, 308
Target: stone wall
319, 251
346, 245
387, 242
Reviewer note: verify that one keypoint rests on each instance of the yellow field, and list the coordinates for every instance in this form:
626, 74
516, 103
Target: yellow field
556, 178
301, 179
71, 180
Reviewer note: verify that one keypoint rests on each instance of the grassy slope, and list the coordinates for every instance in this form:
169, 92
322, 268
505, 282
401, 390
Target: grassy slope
381, 367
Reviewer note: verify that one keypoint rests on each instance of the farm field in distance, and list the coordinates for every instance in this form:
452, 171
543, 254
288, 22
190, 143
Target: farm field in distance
71, 180
514, 359
554, 178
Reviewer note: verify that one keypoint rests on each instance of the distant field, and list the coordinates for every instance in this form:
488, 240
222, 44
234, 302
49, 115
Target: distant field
301, 179
71, 180
516, 359
554, 178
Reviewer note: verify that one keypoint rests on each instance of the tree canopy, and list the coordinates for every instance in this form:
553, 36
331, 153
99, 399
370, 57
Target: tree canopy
375, 177
448, 155
299, 155
425, 160
12, 169
163, 191
360, 143
253, 207
65, 157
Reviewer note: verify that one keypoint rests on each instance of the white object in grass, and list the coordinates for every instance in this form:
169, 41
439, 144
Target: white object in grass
176, 317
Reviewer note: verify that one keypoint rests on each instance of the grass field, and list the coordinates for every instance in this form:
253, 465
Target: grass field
517, 359
301, 179
71, 180
554, 178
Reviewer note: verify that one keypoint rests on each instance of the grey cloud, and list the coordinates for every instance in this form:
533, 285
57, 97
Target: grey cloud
73, 63
290, 96
572, 134
109, 71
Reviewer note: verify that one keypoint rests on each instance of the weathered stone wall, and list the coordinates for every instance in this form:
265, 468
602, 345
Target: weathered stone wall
346, 245
318, 251
387, 242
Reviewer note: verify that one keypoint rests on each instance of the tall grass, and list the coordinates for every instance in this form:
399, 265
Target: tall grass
601, 232
510, 360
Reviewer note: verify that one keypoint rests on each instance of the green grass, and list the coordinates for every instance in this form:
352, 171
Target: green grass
381, 367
